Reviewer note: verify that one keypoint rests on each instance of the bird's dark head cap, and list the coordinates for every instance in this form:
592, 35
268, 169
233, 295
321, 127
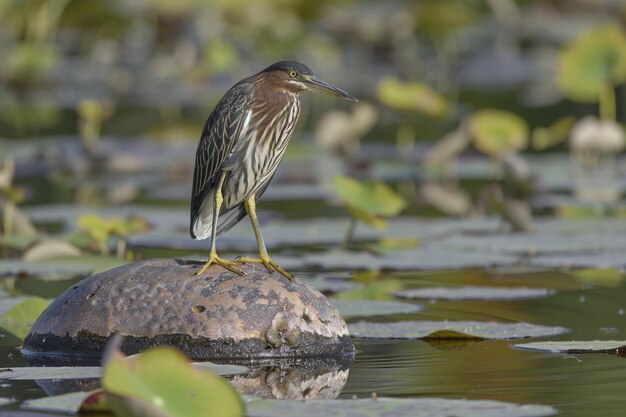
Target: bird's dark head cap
286, 66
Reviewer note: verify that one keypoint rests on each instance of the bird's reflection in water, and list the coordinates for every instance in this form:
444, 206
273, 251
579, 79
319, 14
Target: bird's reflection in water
305, 379
289, 379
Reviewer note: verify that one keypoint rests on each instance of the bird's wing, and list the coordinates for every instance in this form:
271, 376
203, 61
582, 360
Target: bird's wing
220, 135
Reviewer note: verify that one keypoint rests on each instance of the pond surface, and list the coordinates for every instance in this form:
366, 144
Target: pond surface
304, 235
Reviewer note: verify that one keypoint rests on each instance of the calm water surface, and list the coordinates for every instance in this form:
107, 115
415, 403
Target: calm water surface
578, 385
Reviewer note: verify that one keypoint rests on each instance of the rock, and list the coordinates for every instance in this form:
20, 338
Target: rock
216, 315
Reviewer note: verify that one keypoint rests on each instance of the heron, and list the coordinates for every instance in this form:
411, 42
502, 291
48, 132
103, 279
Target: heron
242, 143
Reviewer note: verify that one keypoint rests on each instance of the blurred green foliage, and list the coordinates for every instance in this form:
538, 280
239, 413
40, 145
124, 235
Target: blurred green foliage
161, 381
495, 132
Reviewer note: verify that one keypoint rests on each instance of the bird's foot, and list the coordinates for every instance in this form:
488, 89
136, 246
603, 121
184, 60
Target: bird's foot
224, 263
270, 265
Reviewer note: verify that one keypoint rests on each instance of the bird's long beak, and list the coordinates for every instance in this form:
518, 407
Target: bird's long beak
316, 84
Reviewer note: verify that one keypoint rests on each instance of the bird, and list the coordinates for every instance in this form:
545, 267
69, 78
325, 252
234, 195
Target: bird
242, 142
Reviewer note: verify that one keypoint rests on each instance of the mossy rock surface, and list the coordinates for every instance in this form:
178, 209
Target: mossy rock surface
217, 315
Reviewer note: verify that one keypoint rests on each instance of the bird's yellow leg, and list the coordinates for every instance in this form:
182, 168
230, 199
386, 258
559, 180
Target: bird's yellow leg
213, 258
264, 257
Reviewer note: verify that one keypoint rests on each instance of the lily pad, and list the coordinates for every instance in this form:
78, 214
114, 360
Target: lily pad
88, 372
19, 319
593, 60
591, 346
50, 248
604, 260
474, 293
396, 407
450, 330
495, 132
367, 200
421, 258
60, 268
66, 403
160, 381
366, 308
330, 285
553, 135
413, 96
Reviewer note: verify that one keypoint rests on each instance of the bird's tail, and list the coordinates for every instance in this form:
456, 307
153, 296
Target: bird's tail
201, 226
202, 223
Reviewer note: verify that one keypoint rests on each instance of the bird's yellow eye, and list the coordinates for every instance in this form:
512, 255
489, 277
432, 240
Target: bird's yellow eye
293, 74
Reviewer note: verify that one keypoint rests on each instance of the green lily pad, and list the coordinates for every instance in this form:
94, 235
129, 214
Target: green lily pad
88, 372
19, 318
414, 97
160, 381
608, 277
591, 346
593, 60
396, 407
450, 330
373, 198
553, 135
474, 293
366, 308
495, 132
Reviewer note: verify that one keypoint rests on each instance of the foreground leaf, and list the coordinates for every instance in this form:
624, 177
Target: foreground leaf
161, 382
601, 346
19, 319
450, 330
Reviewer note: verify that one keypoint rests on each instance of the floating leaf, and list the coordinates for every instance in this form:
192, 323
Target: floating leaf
474, 293
88, 372
372, 197
50, 248
365, 308
411, 97
379, 290
495, 132
367, 218
160, 381
66, 403
396, 407
553, 135
599, 346
97, 227
29, 60
609, 277
60, 268
450, 330
593, 60
19, 319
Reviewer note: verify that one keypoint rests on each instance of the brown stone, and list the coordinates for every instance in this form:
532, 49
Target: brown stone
218, 315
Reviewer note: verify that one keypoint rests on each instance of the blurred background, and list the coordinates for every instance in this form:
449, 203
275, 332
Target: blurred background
486, 149
468, 109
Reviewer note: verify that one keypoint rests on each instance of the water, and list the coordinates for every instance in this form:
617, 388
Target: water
578, 385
